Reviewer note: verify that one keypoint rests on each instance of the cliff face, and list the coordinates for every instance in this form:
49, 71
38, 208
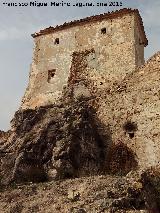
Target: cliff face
62, 141
56, 141
63, 147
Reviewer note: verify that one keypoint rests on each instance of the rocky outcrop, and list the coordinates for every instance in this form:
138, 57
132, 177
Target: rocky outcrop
56, 141
61, 141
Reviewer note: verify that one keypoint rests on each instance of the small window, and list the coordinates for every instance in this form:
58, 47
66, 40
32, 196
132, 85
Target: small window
51, 74
130, 128
56, 41
103, 30
131, 134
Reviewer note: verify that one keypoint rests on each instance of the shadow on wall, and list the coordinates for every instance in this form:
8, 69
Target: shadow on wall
96, 146
121, 159
97, 152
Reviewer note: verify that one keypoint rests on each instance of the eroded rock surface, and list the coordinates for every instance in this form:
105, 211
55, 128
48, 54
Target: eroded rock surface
57, 141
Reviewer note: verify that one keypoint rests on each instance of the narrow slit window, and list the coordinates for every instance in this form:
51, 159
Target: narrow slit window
103, 30
56, 41
51, 74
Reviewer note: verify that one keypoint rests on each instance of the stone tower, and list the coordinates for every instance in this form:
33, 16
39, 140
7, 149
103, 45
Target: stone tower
115, 43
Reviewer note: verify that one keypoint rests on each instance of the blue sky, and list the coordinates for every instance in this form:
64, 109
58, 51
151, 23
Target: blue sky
16, 25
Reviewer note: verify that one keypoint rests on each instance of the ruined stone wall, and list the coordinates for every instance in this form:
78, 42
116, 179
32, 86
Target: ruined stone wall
136, 101
114, 56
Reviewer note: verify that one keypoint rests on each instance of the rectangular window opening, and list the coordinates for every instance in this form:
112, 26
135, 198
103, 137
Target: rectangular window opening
103, 30
51, 74
56, 41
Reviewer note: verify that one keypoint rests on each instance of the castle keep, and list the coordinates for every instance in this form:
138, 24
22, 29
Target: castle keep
117, 41
103, 57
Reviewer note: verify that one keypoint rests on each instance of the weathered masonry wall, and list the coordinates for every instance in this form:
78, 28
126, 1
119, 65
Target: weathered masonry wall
115, 54
135, 101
